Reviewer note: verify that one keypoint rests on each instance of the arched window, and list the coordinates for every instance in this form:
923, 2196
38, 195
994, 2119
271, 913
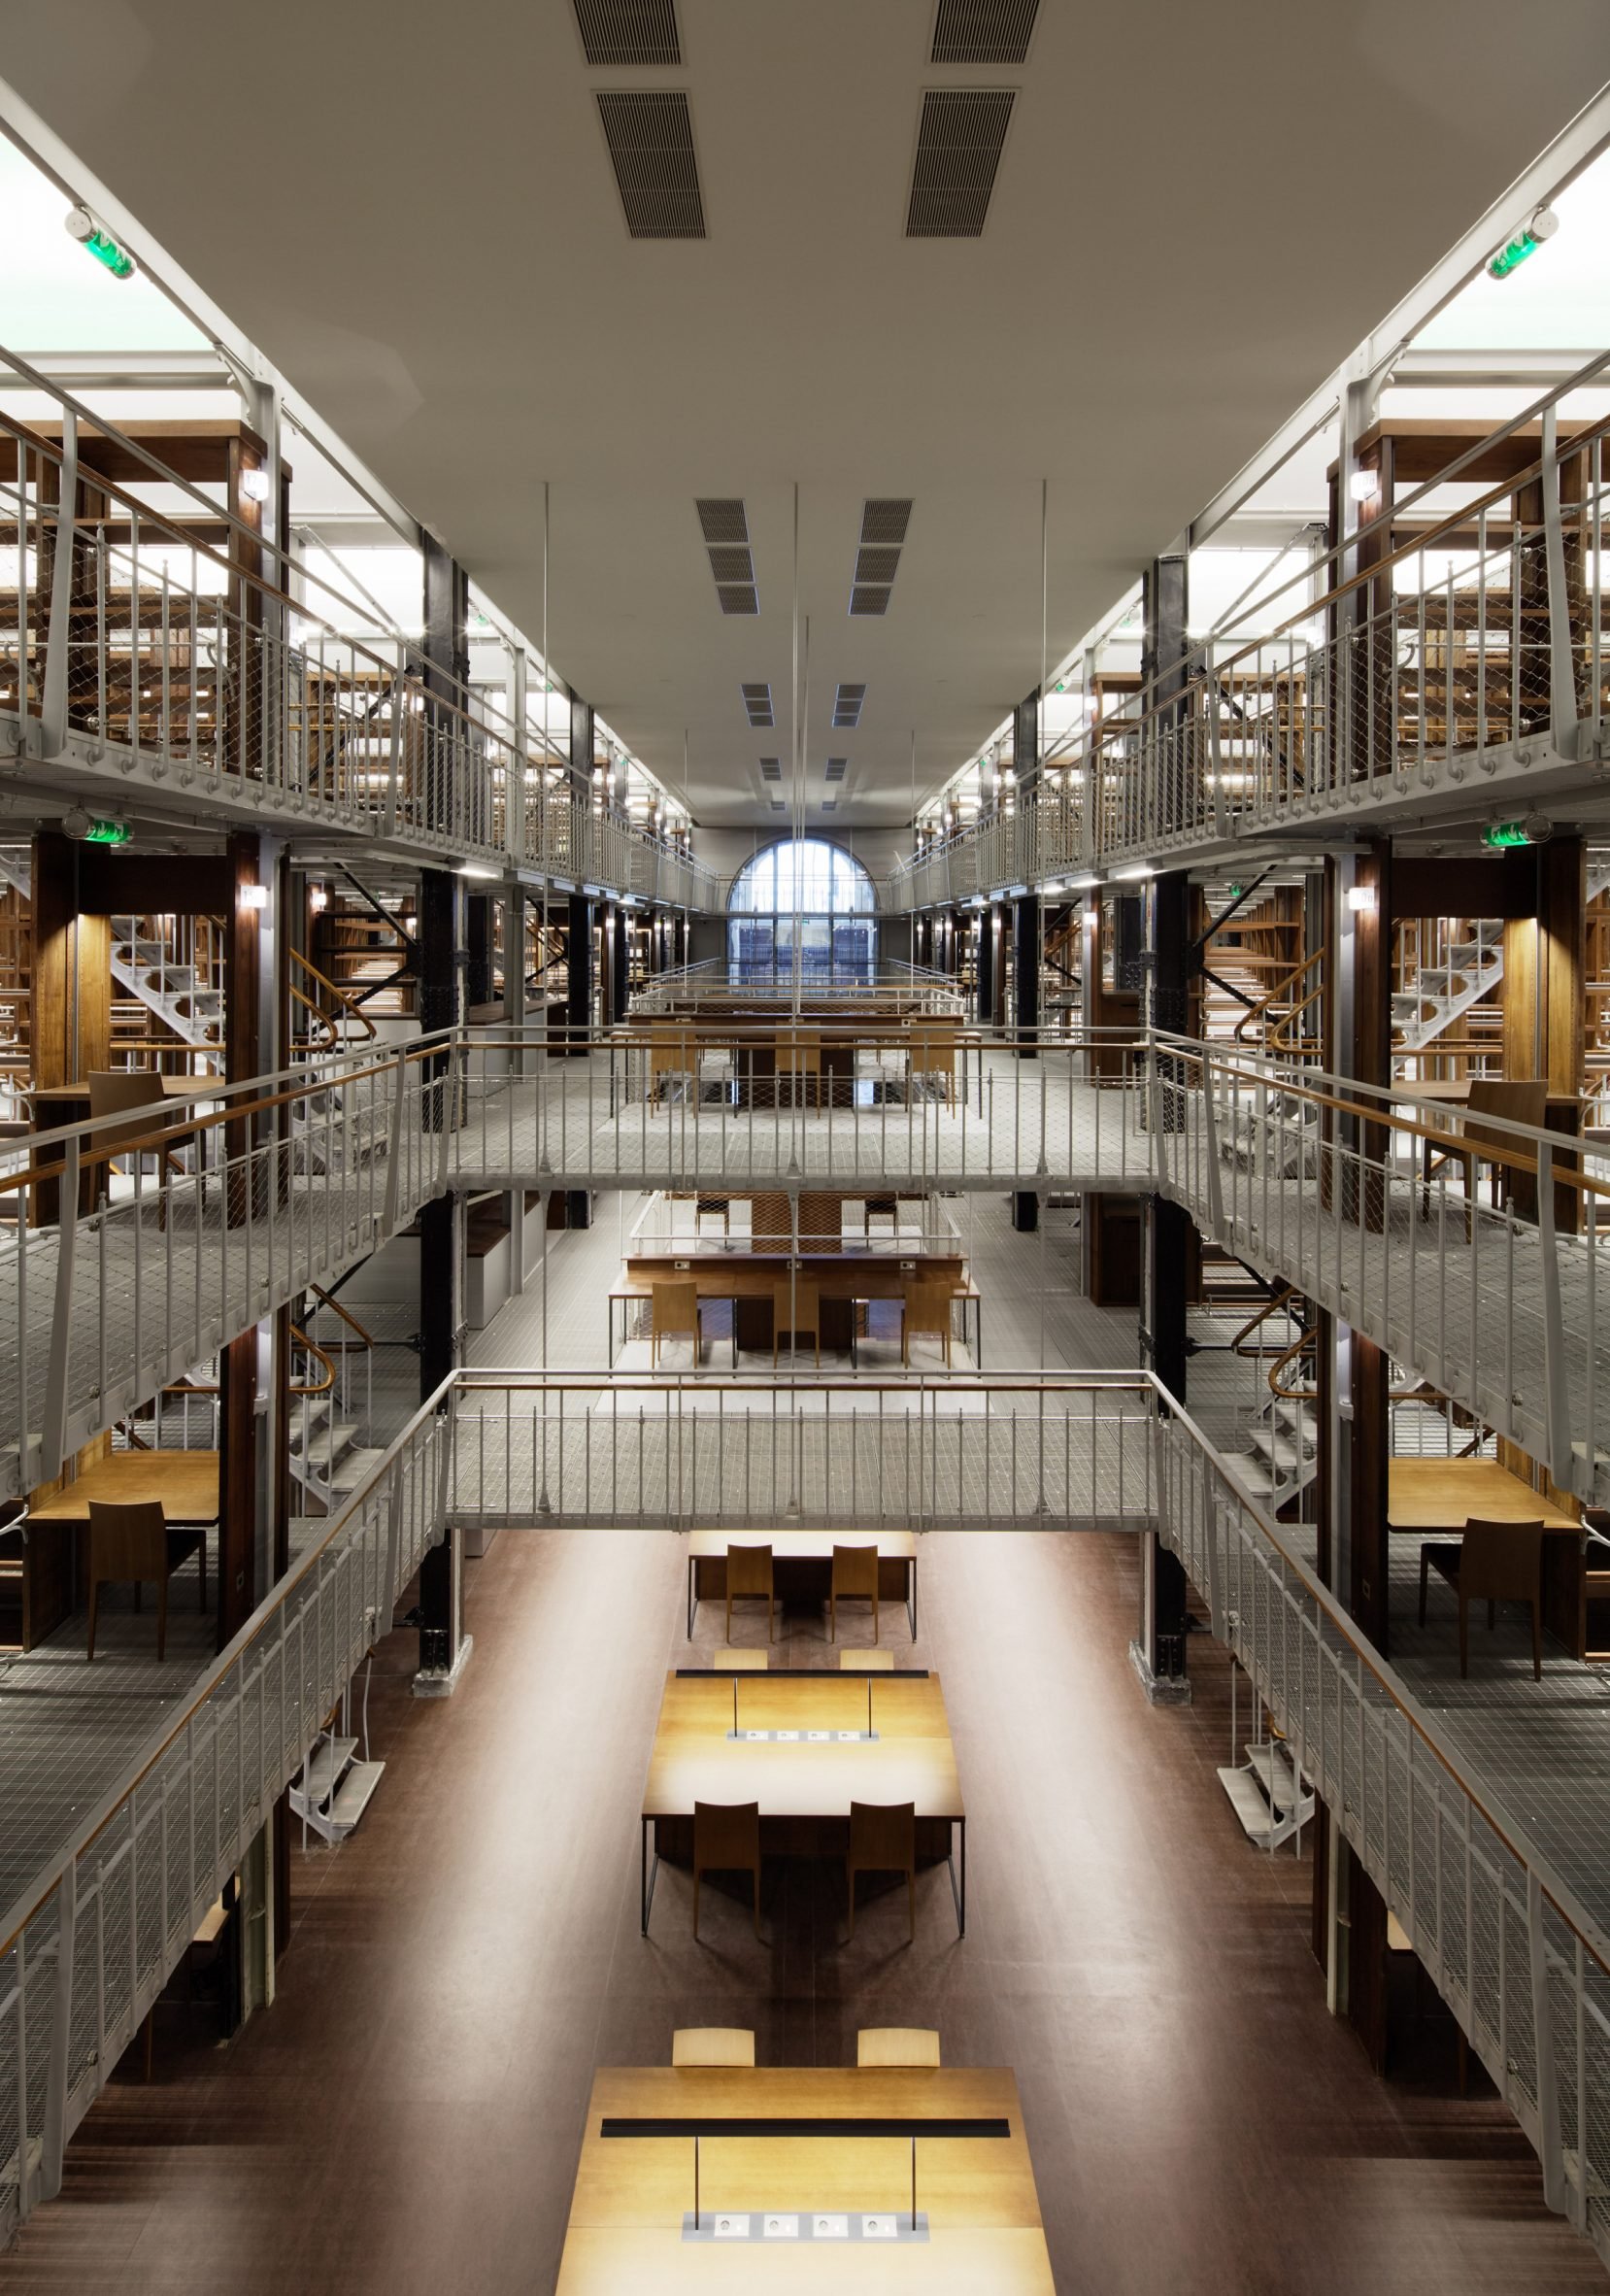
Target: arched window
805, 896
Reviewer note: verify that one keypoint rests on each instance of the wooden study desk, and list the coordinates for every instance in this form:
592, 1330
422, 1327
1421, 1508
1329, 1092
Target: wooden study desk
804, 1786
53, 1105
634, 2184
843, 1280
1441, 1495
802, 1563
187, 1483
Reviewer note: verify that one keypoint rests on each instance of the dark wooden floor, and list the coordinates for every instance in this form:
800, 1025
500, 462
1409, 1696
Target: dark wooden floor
406, 2117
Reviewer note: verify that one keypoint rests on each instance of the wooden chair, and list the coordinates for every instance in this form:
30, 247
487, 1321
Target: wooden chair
933, 1057
715, 1207
726, 1839
739, 1662
883, 1839
670, 1056
798, 1056
927, 1316
673, 1314
133, 1541
112, 1091
749, 1571
866, 1662
1517, 1100
796, 1308
855, 1576
897, 2045
712, 2045
880, 1207
1496, 1562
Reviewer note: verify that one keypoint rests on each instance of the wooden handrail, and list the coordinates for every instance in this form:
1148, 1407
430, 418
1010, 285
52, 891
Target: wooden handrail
1269, 1307
312, 1347
351, 1009
1281, 987
329, 1300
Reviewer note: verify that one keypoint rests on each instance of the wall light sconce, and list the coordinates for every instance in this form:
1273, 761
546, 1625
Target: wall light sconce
1360, 899
1364, 485
253, 896
255, 485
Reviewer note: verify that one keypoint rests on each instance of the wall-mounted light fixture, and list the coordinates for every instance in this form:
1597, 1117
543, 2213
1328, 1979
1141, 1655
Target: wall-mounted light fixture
253, 896
1364, 485
98, 242
1360, 899
255, 485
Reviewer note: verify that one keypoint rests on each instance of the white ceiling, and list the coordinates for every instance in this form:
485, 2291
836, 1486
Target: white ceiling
1199, 212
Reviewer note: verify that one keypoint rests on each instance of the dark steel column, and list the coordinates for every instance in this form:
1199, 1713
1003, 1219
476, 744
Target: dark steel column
1027, 937
442, 959
986, 965
620, 962
479, 985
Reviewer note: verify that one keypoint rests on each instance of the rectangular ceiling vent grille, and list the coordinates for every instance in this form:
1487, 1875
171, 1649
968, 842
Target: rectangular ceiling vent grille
829, 805
778, 806
846, 706
651, 141
629, 31
724, 525
883, 527
984, 31
836, 769
771, 769
959, 148
885, 522
757, 703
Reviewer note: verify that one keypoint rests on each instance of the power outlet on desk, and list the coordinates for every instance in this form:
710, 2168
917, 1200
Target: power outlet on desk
681, 1267
908, 1267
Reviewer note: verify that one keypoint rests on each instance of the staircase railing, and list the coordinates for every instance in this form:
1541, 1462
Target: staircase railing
1515, 1952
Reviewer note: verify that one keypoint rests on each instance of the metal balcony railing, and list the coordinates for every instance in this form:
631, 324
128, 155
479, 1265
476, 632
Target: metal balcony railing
131, 646
1525, 1964
1481, 641
1365, 1201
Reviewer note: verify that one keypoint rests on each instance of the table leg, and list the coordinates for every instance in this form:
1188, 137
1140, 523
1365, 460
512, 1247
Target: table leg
648, 1875
959, 1896
692, 1602
911, 1597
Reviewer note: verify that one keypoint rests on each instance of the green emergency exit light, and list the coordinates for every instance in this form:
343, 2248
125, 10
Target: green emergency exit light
82, 227
108, 832
1501, 835
1525, 244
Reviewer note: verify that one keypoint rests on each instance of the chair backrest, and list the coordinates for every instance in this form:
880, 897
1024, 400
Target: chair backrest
739, 1662
795, 1306
112, 1091
675, 1308
712, 2045
896, 2044
749, 1569
1501, 1562
127, 1540
1518, 1099
727, 1833
866, 1662
884, 1834
928, 1307
854, 1569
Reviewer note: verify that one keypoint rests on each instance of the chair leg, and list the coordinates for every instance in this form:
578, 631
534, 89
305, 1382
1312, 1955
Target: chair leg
94, 1606
832, 1614
162, 1618
911, 1905
757, 1902
1424, 1575
771, 1616
875, 1634
850, 1889
201, 1567
1464, 1636
729, 1613
1536, 1642
696, 1871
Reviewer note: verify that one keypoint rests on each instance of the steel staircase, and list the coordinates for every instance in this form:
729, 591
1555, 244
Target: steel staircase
177, 994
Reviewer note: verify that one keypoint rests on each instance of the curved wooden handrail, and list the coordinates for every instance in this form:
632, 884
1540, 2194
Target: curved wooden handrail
349, 1006
1280, 988
1269, 1307
329, 1300
312, 1347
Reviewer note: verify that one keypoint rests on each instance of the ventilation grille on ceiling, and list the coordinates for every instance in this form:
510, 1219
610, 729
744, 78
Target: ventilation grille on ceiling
959, 148
883, 532
846, 706
631, 31
836, 768
651, 141
771, 769
982, 31
758, 702
724, 525
778, 806
829, 805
